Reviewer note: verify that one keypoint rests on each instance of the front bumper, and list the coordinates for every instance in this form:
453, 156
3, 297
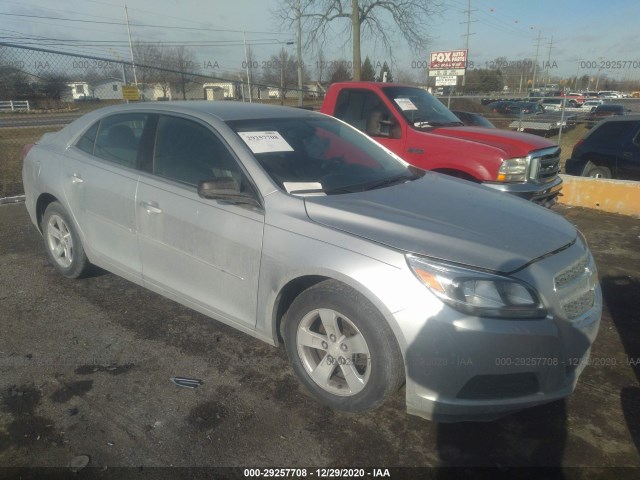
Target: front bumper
462, 368
545, 194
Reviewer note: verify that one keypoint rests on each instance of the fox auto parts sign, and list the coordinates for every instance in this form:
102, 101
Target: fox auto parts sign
449, 60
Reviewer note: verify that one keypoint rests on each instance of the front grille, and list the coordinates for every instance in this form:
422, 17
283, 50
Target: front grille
575, 288
566, 276
545, 165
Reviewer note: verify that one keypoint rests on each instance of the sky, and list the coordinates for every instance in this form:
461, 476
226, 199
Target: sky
576, 36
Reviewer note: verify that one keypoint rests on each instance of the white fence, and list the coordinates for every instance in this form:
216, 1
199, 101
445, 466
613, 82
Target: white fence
14, 105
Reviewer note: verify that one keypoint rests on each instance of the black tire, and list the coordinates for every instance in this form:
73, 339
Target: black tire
595, 171
377, 376
62, 242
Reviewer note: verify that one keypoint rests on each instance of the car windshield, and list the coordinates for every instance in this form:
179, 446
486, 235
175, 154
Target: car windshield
419, 108
320, 155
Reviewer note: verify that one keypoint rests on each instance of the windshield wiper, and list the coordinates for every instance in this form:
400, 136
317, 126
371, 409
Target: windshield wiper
327, 191
389, 181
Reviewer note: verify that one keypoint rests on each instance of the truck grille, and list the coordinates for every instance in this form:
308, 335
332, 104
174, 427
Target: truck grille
575, 288
545, 164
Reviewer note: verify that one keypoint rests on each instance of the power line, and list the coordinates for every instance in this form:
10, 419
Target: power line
102, 22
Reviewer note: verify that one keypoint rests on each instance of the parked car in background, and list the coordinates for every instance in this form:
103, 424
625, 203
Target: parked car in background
603, 111
499, 106
296, 228
472, 119
556, 104
524, 108
635, 94
589, 105
578, 98
610, 150
422, 130
609, 94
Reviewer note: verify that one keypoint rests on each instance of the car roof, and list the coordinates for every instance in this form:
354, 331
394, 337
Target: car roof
223, 110
623, 118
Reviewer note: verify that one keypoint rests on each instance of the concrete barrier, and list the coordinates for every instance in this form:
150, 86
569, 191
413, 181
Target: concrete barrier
614, 196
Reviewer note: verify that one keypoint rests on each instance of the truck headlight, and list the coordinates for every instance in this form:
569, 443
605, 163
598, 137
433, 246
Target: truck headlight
513, 170
478, 293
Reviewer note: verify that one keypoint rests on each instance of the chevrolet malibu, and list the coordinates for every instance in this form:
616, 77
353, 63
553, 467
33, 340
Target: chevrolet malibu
297, 229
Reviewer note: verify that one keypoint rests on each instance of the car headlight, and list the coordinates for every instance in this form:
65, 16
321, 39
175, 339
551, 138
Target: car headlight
513, 170
478, 293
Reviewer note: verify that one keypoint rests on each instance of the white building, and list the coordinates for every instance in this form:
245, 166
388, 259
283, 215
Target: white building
107, 89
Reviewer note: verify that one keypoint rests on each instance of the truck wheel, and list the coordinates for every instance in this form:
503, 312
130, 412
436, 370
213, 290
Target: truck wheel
341, 348
597, 172
62, 242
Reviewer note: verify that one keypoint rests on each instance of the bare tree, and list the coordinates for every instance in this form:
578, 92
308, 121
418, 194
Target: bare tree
364, 19
321, 66
183, 62
282, 71
339, 71
149, 57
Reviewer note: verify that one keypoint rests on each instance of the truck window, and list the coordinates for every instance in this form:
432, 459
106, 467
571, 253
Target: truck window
365, 111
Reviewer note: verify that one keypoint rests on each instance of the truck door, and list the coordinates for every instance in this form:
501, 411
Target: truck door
365, 110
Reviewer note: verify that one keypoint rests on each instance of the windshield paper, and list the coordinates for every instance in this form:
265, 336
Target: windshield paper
405, 104
265, 142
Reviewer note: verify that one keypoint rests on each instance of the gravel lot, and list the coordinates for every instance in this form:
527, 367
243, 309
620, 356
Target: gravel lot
85, 368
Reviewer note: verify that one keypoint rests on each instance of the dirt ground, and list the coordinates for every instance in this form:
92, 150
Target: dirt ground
85, 368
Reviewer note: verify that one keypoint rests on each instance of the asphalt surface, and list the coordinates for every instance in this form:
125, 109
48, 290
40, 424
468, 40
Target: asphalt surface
85, 368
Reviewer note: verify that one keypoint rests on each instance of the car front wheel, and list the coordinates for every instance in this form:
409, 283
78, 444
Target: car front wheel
62, 242
341, 348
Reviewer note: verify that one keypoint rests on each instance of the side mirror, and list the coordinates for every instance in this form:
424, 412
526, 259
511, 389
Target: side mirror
225, 189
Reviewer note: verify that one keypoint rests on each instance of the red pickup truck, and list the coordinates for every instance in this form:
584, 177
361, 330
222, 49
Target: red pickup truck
419, 128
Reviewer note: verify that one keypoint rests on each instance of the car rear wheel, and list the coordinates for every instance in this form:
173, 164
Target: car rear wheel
62, 242
341, 348
598, 172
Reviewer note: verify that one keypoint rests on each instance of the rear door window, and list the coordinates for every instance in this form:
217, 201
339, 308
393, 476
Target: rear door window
119, 138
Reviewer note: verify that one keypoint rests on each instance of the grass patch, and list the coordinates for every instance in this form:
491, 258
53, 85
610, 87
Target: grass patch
11, 142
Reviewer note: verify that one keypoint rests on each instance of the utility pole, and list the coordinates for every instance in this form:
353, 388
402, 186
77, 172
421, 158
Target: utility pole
468, 12
548, 66
246, 64
282, 76
535, 63
133, 63
299, 50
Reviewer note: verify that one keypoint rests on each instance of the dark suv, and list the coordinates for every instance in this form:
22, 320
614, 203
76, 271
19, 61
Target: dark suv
603, 111
610, 150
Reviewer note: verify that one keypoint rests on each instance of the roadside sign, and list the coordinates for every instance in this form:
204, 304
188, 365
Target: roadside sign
446, 81
130, 92
446, 73
447, 60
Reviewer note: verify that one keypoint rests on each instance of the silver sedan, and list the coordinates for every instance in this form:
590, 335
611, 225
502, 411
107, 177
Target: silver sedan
295, 228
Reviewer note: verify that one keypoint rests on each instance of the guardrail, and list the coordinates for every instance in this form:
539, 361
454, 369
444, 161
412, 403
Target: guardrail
14, 105
613, 196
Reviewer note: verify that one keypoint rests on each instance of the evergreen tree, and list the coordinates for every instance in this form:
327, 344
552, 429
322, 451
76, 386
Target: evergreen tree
367, 74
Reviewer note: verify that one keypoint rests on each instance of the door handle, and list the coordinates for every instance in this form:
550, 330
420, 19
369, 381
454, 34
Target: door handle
76, 178
151, 207
627, 154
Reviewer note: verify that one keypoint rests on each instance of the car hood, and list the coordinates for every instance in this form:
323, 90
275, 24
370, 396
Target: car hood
514, 144
447, 219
